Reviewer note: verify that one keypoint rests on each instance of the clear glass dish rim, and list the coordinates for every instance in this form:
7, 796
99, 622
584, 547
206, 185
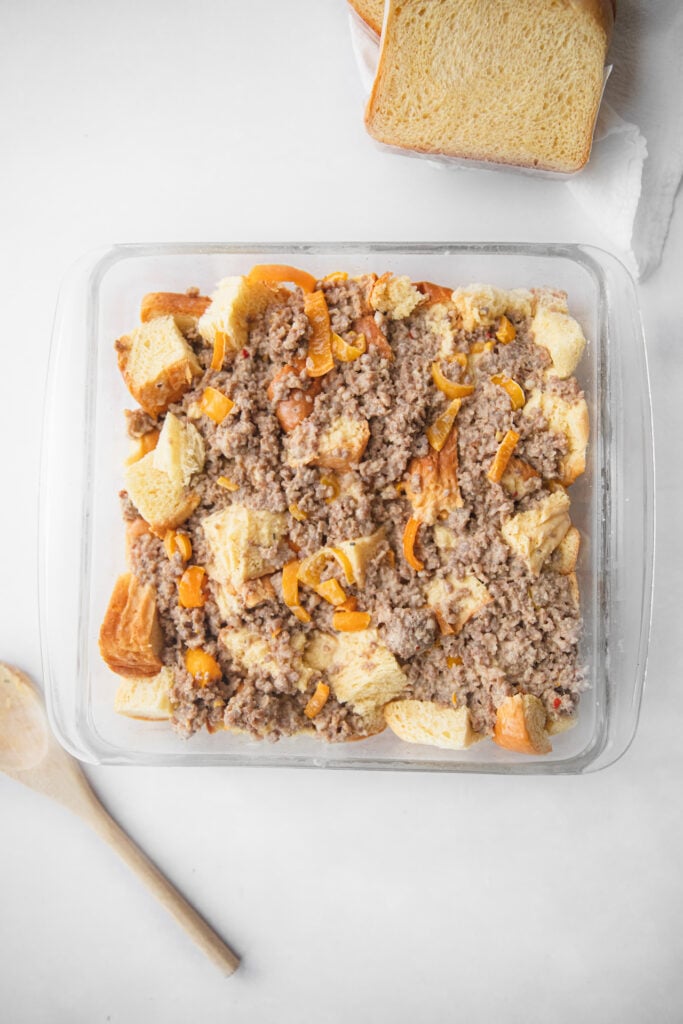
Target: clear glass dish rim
589, 257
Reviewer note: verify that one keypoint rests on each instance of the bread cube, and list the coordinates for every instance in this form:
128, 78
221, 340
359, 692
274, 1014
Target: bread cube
360, 552
422, 721
130, 636
455, 601
534, 535
360, 669
245, 543
185, 309
235, 301
566, 554
161, 501
179, 451
482, 305
569, 419
157, 364
397, 297
146, 698
520, 725
562, 336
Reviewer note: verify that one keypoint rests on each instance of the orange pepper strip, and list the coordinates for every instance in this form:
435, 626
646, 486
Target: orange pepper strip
506, 331
202, 666
450, 388
437, 434
230, 485
345, 352
409, 535
215, 404
311, 568
332, 591
517, 396
336, 276
290, 590
218, 350
351, 622
453, 661
317, 701
179, 542
191, 593
281, 272
502, 456
319, 358
349, 605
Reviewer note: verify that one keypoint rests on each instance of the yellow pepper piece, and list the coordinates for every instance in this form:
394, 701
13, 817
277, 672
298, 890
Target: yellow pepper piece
215, 404
450, 388
437, 434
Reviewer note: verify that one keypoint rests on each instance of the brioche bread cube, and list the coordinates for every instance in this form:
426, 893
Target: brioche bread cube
245, 543
360, 552
504, 81
533, 535
130, 635
562, 336
569, 419
521, 725
422, 721
395, 296
360, 669
235, 301
161, 501
482, 305
180, 451
566, 554
342, 444
455, 601
146, 698
185, 309
157, 364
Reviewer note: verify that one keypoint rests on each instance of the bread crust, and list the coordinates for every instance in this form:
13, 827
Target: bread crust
185, 309
130, 636
368, 12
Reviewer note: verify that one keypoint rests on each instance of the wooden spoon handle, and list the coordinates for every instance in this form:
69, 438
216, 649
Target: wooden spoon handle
206, 938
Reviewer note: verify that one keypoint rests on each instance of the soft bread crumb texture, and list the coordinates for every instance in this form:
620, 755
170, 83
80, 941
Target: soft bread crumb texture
509, 82
421, 721
148, 699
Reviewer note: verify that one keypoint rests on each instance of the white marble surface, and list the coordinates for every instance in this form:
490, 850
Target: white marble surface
364, 897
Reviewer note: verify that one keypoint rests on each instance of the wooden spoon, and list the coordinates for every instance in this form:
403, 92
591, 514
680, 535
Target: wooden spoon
30, 754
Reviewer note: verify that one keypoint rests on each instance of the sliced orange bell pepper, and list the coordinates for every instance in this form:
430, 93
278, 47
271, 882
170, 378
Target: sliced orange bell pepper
437, 434
409, 536
290, 590
450, 388
351, 622
191, 593
317, 701
280, 272
215, 404
517, 396
502, 456
219, 345
202, 666
319, 358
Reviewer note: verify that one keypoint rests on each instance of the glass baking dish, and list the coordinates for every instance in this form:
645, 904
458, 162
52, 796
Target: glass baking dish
82, 535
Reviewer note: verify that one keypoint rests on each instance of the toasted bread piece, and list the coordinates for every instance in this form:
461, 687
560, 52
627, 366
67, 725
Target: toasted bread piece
562, 336
360, 669
235, 302
185, 309
566, 554
422, 721
160, 501
130, 635
436, 474
519, 478
360, 552
371, 11
570, 419
245, 543
482, 305
144, 697
180, 451
444, 538
508, 82
157, 364
555, 726
520, 725
455, 601
534, 535
395, 296
342, 445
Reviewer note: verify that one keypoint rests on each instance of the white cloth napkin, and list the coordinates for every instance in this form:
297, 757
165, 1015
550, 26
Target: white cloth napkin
630, 182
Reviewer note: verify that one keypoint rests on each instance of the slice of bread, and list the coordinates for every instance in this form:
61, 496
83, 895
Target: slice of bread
130, 635
146, 698
371, 11
502, 81
157, 364
185, 309
161, 501
421, 721
520, 725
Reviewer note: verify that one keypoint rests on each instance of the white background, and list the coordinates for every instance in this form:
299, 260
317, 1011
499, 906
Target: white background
363, 897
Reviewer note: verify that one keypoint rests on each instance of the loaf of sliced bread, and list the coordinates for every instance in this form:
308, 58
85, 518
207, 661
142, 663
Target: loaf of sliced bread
502, 81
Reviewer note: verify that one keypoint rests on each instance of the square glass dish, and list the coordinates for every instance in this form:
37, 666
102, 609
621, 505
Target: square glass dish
82, 535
